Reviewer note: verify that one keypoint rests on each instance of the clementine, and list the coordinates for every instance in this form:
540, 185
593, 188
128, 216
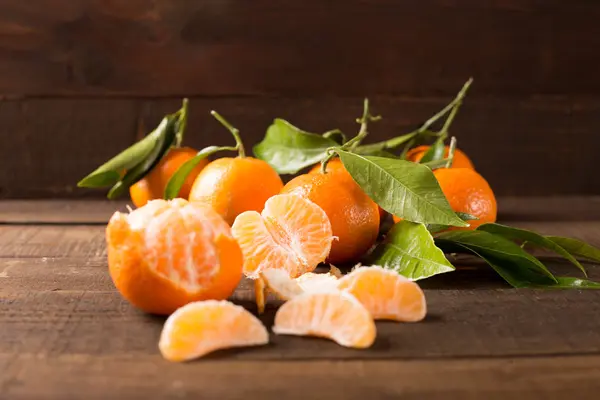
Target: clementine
461, 160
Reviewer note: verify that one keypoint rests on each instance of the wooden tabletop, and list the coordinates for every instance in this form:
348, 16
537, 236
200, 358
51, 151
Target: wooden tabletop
66, 333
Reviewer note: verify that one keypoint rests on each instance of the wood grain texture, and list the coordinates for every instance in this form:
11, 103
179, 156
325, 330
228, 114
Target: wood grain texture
539, 146
81, 376
211, 47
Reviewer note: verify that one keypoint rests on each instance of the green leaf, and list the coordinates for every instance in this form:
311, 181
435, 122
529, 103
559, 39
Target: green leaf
531, 237
409, 249
110, 172
577, 247
435, 152
509, 260
402, 188
373, 148
570, 283
435, 228
335, 135
289, 149
166, 132
178, 179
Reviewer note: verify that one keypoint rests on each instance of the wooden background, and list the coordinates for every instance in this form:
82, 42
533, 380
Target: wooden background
78, 78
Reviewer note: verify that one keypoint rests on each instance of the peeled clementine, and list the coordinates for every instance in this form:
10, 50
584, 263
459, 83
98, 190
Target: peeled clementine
152, 186
169, 253
234, 185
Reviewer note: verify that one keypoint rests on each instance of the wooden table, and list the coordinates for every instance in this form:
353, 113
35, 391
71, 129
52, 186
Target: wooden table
66, 333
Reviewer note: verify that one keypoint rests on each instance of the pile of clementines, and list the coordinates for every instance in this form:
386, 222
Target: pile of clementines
234, 217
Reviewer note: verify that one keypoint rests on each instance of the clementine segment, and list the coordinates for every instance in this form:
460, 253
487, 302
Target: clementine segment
234, 185
169, 253
152, 186
386, 294
468, 192
291, 233
333, 315
202, 327
354, 216
461, 160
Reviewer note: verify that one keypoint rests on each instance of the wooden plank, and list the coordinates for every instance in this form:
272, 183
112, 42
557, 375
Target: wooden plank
521, 210
80, 376
521, 146
66, 47
59, 317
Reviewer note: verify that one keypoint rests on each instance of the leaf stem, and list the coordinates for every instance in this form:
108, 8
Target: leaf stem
234, 131
451, 151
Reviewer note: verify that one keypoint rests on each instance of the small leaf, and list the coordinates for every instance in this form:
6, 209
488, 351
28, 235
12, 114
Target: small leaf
435, 152
577, 247
178, 179
402, 188
570, 283
110, 172
373, 148
409, 249
335, 135
381, 153
289, 149
508, 259
531, 237
166, 136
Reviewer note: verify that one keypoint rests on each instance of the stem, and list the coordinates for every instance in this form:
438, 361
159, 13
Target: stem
234, 131
363, 132
457, 100
451, 150
330, 155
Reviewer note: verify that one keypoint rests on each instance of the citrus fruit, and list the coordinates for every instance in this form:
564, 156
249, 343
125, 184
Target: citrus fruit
468, 192
152, 186
334, 315
169, 253
291, 233
354, 216
337, 165
199, 328
386, 294
234, 185
286, 288
461, 160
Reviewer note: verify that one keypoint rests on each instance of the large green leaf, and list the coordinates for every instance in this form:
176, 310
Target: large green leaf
577, 247
178, 179
508, 259
530, 237
570, 283
409, 249
402, 188
288, 149
165, 139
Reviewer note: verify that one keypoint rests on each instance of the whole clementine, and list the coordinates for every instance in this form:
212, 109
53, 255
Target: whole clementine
461, 160
468, 192
353, 215
167, 254
337, 165
152, 186
234, 185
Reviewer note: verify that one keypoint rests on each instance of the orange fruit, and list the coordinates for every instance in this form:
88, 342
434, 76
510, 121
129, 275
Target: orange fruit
334, 165
334, 315
291, 233
468, 192
169, 253
354, 216
386, 294
152, 186
234, 185
461, 160
199, 328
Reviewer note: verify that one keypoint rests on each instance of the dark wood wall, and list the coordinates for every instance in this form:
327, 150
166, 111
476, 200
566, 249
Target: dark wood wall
78, 79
